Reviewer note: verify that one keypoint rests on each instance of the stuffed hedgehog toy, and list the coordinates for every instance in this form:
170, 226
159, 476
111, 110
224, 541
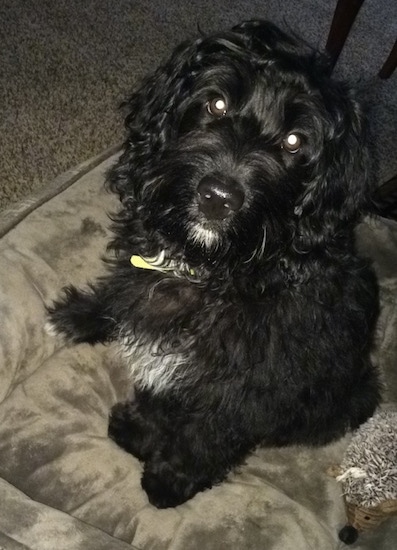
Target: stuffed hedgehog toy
368, 474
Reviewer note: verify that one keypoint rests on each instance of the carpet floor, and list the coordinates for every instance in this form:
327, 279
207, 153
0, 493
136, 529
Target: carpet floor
65, 66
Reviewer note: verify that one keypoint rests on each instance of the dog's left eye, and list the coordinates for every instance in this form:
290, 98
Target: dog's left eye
292, 143
217, 107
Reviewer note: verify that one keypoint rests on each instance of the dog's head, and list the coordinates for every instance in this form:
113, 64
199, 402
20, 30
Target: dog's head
242, 146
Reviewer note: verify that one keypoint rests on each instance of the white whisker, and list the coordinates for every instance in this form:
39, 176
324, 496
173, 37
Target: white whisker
263, 245
259, 251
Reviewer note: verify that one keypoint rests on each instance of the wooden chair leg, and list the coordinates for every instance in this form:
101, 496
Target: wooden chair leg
344, 16
384, 200
390, 63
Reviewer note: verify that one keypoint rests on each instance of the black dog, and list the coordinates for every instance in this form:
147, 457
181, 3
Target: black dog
236, 292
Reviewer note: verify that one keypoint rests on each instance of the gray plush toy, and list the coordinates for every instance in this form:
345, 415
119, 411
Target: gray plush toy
368, 474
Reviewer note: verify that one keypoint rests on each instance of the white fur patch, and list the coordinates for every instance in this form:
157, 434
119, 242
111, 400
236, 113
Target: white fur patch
150, 368
200, 235
50, 329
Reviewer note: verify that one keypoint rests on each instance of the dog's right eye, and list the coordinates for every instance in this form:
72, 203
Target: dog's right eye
217, 107
292, 143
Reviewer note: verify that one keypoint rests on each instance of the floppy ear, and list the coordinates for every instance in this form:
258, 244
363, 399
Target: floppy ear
263, 37
147, 121
339, 191
339, 185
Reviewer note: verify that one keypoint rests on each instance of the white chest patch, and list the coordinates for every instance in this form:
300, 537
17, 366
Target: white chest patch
150, 368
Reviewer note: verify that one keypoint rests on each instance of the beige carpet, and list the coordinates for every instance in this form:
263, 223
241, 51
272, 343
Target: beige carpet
66, 65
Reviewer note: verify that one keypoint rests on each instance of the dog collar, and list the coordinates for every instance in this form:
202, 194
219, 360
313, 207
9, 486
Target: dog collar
163, 264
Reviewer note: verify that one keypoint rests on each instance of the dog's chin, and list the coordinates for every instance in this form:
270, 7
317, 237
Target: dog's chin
205, 234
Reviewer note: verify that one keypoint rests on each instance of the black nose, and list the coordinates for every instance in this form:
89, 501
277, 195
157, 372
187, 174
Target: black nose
218, 199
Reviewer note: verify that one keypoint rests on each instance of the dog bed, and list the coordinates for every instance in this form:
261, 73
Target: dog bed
64, 484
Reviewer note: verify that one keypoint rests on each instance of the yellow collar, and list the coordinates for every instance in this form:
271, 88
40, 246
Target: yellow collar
160, 263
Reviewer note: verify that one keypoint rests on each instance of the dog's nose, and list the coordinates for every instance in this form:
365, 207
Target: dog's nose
218, 199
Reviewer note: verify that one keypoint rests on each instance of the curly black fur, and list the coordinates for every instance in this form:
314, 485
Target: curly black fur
268, 341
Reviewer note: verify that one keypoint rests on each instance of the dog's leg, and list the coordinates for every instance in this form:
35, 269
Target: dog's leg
132, 430
184, 453
80, 317
193, 459
168, 482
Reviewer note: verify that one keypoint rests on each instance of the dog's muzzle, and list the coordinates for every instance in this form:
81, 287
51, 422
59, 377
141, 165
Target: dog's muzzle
218, 199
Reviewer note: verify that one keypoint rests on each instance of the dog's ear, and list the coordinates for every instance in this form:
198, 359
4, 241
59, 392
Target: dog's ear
342, 179
148, 113
264, 38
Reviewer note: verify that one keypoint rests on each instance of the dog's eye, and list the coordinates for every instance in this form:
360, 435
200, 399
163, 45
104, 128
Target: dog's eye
292, 143
217, 107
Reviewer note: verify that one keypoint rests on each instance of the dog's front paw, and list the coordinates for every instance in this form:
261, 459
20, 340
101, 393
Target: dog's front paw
131, 431
79, 317
166, 487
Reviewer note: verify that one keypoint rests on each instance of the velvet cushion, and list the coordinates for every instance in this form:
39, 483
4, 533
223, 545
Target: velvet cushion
64, 482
